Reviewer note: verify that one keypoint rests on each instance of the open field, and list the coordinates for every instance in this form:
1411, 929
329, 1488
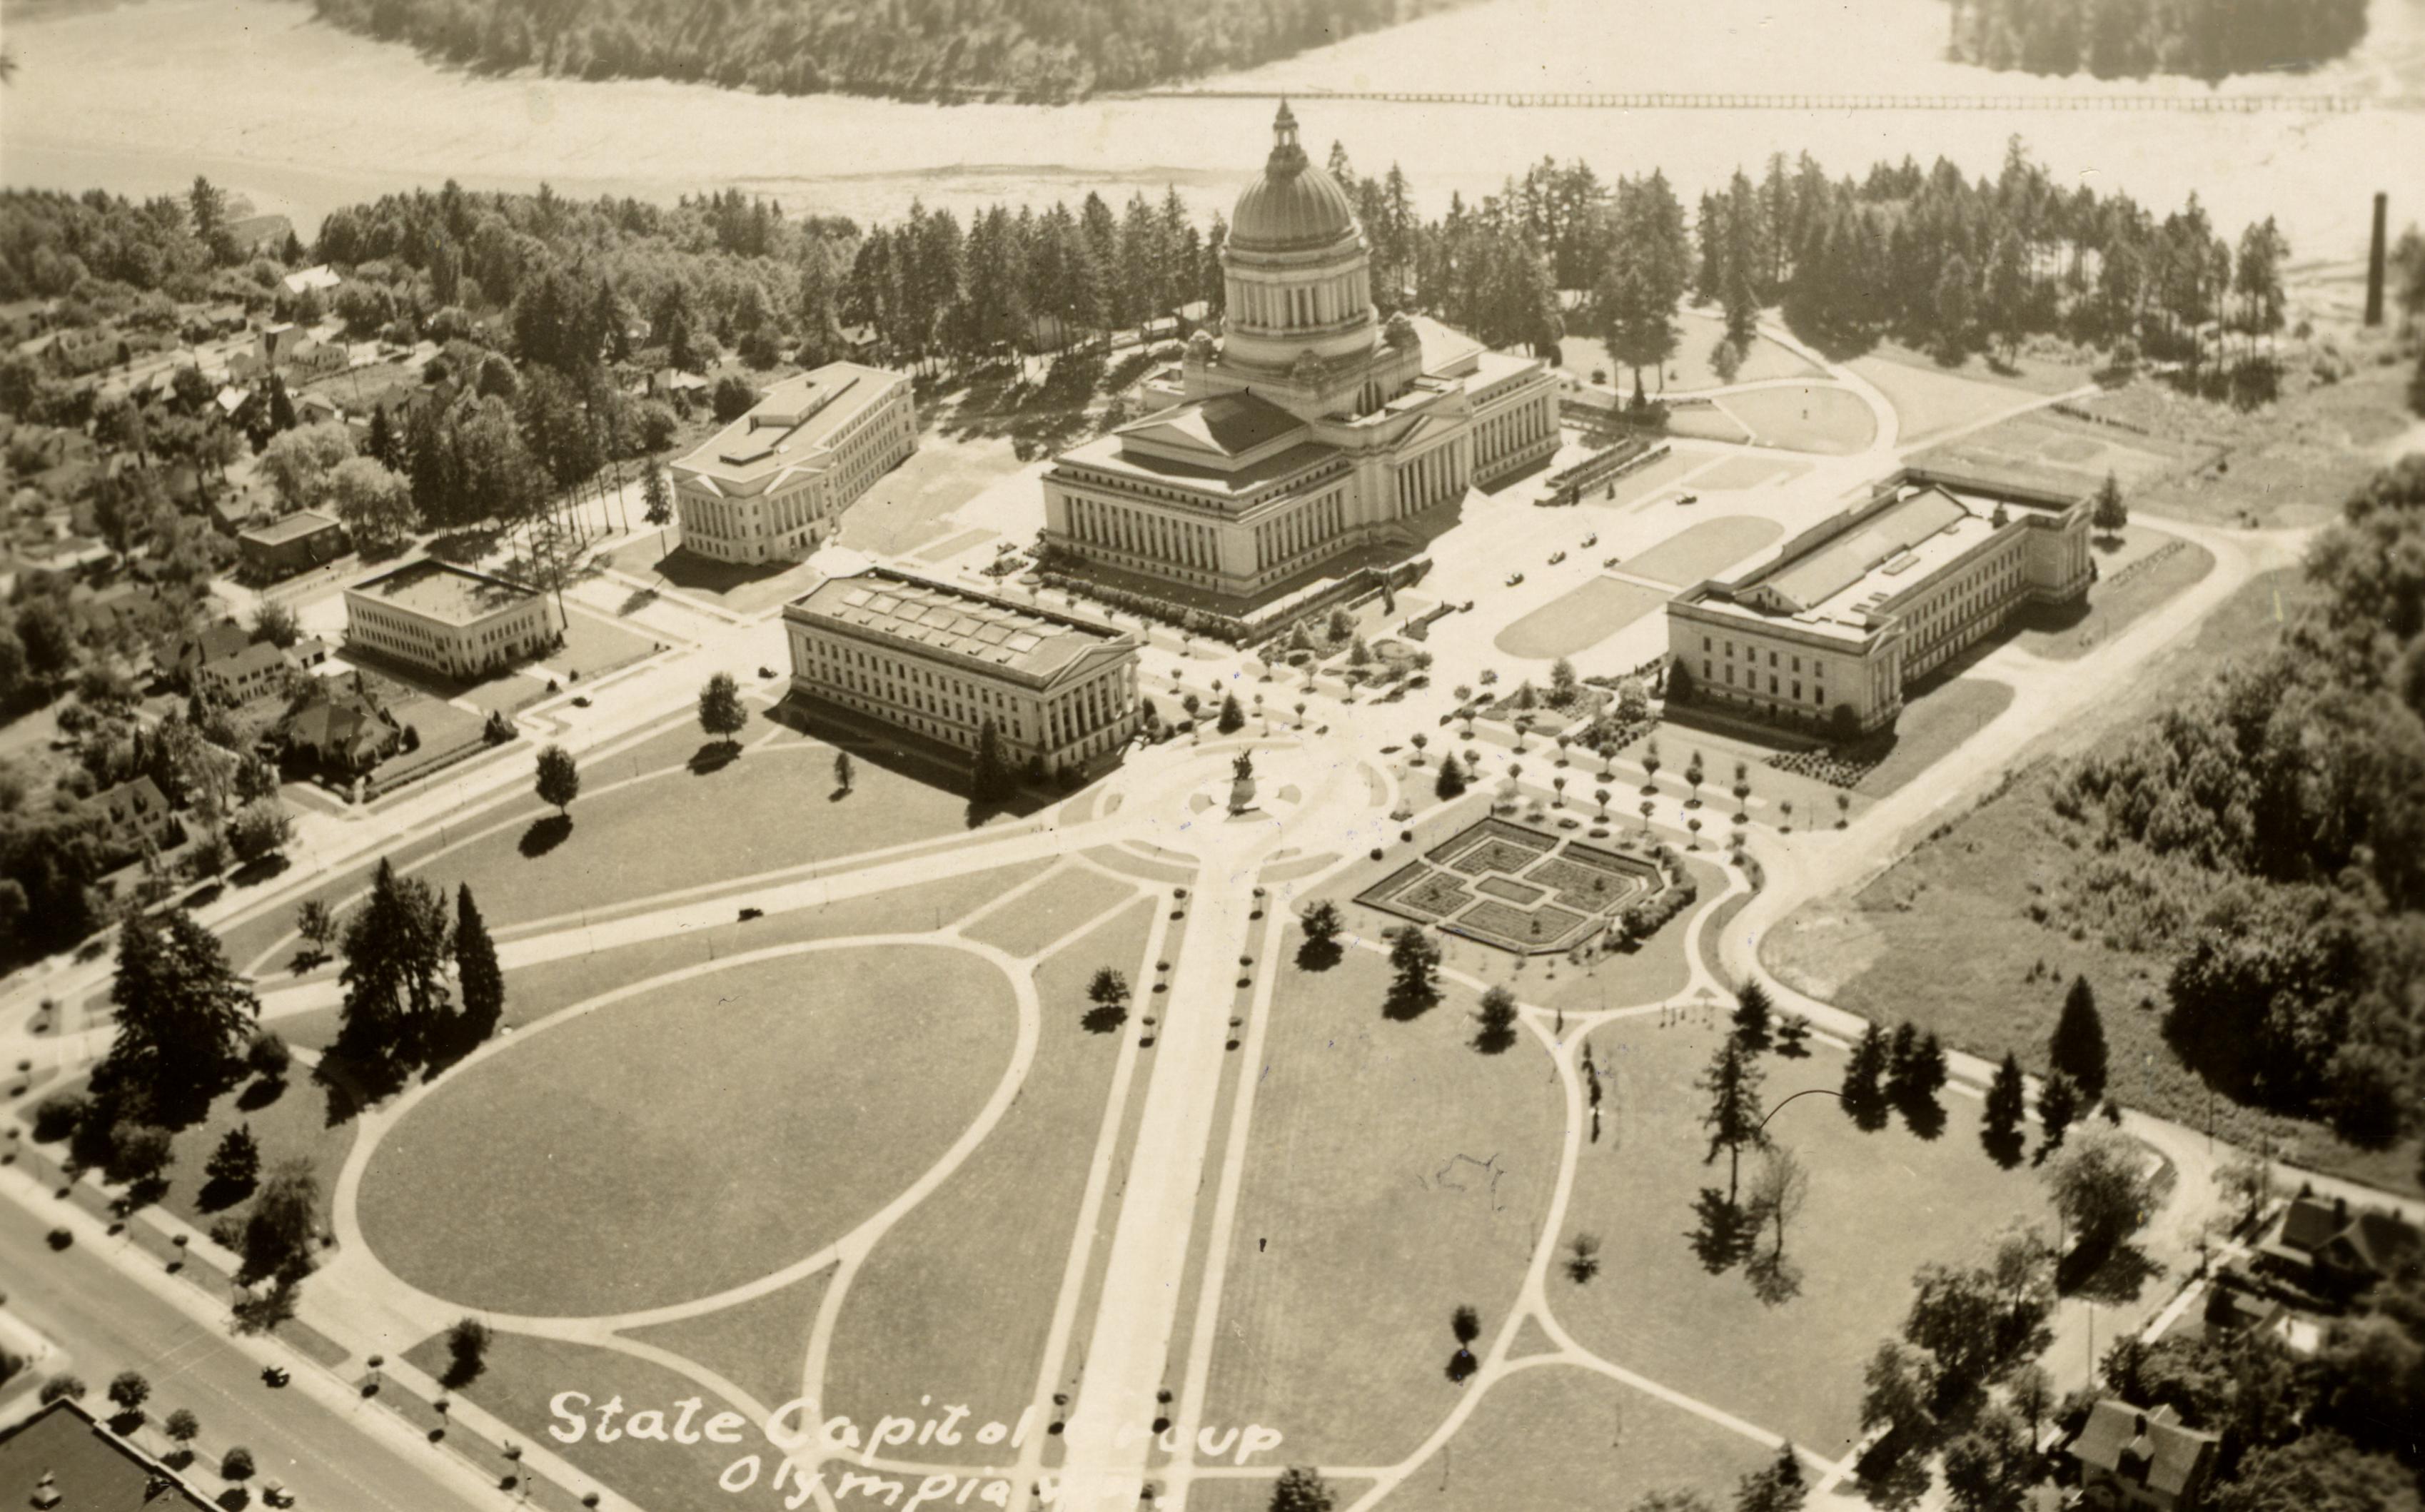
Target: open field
1940, 717
1821, 417
1580, 619
578, 1170
1946, 936
957, 1300
1930, 400
1379, 1149
759, 1345
595, 644
1690, 369
1559, 1435
1879, 1204
1703, 548
1053, 909
910, 507
741, 588
1708, 422
2045, 450
2150, 568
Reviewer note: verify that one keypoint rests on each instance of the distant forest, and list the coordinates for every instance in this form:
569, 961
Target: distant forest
2208, 40
915, 49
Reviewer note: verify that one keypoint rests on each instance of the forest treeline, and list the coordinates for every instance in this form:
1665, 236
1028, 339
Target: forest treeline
914, 49
2270, 827
2209, 39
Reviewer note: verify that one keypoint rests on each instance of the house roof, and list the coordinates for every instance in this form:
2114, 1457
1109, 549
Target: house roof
296, 526
790, 430
337, 715
2309, 1222
212, 643
993, 633
136, 798
442, 591
2175, 1458
61, 1450
255, 657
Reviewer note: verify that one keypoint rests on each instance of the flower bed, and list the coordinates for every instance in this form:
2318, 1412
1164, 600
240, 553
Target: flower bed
1519, 930
1499, 887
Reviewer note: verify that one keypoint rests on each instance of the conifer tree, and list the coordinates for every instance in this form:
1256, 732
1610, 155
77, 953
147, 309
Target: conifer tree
1864, 1080
183, 1014
2057, 1105
2007, 1107
397, 1001
477, 973
1732, 1080
2078, 1046
1753, 1011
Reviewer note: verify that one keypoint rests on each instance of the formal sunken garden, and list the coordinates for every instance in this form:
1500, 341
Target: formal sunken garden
1518, 888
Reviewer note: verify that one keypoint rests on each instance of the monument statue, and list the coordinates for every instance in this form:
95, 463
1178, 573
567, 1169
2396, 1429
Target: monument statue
1242, 782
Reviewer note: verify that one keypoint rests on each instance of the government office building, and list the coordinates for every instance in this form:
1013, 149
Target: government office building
1309, 427
1854, 610
448, 619
768, 485
942, 662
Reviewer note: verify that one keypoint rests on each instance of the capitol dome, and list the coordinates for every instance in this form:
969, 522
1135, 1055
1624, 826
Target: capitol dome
1295, 206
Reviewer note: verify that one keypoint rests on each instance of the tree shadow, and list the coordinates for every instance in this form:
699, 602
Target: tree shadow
219, 1194
636, 600
713, 757
2112, 1275
1104, 1019
2005, 1147
1722, 1233
544, 834
461, 1371
1462, 1365
353, 1077
1406, 1003
1868, 1113
1894, 1474
260, 869
1318, 955
1775, 1280
1923, 1115
1495, 1039
307, 959
470, 543
260, 1092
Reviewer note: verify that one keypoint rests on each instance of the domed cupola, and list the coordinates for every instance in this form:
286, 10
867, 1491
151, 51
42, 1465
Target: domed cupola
1294, 207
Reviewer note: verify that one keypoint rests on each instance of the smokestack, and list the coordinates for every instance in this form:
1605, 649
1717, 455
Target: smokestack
2374, 263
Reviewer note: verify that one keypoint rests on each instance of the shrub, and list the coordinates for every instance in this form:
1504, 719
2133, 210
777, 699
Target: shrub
236, 1464
56, 1116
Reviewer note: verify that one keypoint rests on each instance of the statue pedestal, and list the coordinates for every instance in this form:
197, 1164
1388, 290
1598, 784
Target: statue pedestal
1241, 794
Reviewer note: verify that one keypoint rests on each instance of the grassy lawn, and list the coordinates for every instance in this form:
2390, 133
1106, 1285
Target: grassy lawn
293, 1123
2069, 634
958, 1299
1931, 725
1879, 1205
594, 645
760, 1345
1656, 968
1704, 547
1819, 418
742, 588
1930, 400
772, 1105
444, 729
523, 1373
1555, 1436
1580, 619
1380, 1149
773, 808
2045, 450
1707, 421
1690, 368
1053, 909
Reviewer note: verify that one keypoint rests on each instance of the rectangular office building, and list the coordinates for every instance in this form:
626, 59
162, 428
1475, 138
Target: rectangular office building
768, 485
449, 619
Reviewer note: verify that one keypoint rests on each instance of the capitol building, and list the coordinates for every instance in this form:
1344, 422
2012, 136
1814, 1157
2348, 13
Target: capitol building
1308, 426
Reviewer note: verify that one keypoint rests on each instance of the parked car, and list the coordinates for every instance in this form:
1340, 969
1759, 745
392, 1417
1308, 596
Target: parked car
1514, 578
1690, 498
581, 700
1612, 561
1591, 541
1555, 558
747, 914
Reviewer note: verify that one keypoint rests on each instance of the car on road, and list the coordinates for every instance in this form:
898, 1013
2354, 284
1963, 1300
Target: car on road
1555, 558
1612, 561
1591, 541
1514, 578
581, 700
1689, 498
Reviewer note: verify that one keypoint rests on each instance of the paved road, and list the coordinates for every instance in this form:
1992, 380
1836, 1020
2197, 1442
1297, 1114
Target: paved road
107, 1322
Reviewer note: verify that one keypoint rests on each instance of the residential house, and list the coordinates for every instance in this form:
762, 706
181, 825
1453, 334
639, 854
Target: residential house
320, 279
340, 726
2339, 1251
134, 814
63, 1458
259, 671
2143, 1461
197, 648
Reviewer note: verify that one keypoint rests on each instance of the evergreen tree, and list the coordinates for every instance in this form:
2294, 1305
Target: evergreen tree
1732, 1080
182, 1015
1753, 1011
1450, 782
990, 778
235, 1164
2057, 1105
2007, 1106
1775, 1487
281, 1226
1865, 1072
1416, 960
1900, 1051
397, 1003
2110, 513
477, 973
2078, 1046
657, 499
1234, 718
1302, 1489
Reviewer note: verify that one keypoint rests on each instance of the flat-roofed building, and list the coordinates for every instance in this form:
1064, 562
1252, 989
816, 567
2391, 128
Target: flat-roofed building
1830, 629
768, 485
282, 548
448, 619
942, 662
